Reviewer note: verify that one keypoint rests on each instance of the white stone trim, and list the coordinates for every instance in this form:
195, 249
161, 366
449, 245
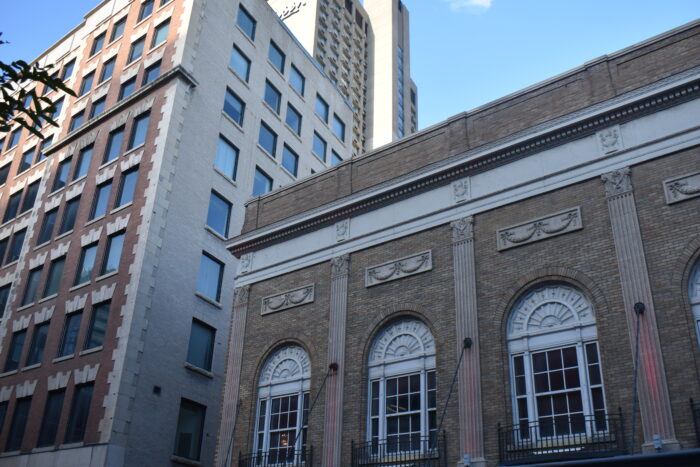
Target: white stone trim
118, 224
58, 381
44, 315
75, 190
76, 303
93, 236
21, 323
542, 228
26, 388
6, 393
38, 260
103, 294
681, 188
86, 374
399, 268
289, 299
60, 250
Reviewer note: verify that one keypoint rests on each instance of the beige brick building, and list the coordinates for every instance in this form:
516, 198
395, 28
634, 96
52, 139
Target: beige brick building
543, 250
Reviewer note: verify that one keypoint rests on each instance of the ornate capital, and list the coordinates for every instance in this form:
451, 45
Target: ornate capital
462, 229
617, 182
340, 265
240, 295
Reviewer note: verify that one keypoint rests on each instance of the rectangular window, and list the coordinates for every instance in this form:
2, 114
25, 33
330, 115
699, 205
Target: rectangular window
151, 73
240, 63
14, 138
136, 49
30, 197
42, 148
107, 70
58, 105
127, 88
97, 107
15, 351
321, 108
16, 246
293, 119
69, 337
79, 411
234, 107
319, 147
338, 127
219, 214
4, 172
26, 161
84, 159
226, 158
276, 56
262, 183
267, 139
297, 80
190, 425
97, 44
32, 286
86, 264
114, 144
139, 130
335, 158
70, 212
100, 203
68, 70
18, 424
55, 274
4, 295
113, 254
51, 418
127, 187
211, 272
98, 326
246, 22
160, 34
47, 226
36, 348
3, 247
201, 346
61, 175
76, 120
86, 84
290, 160
273, 97
145, 10
118, 30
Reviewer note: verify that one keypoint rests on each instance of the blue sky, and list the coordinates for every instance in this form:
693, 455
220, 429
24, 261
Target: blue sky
465, 53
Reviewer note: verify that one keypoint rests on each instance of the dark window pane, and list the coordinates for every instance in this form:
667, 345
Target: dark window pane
319, 147
4, 295
15, 351
290, 160
190, 423
136, 50
80, 409
86, 84
273, 97
592, 353
32, 286
335, 158
234, 107
539, 362
201, 346
84, 159
139, 130
51, 418
210, 273
554, 359
70, 212
107, 70
240, 63
321, 108
86, 264
68, 70
114, 144
146, 9
262, 183
58, 105
118, 29
36, 349
12, 206
18, 425
97, 44
127, 88
276, 56
293, 119
42, 149
4, 172
338, 127
16, 245
69, 337
160, 34
61, 175
99, 208
127, 187
226, 158
267, 139
246, 22
26, 161
30, 197
151, 73
55, 274
219, 214
76, 121
115, 245
98, 326
97, 107
14, 138
297, 80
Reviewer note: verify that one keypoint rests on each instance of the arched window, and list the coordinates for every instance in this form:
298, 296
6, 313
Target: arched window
694, 293
402, 388
283, 404
556, 375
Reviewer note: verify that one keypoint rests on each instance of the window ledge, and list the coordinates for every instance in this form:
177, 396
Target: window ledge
293, 132
230, 119
42, 245
319, 159
208, 300
43, 449
325, 123
25, 307
61, 359
79, 444
96, 219
184, 461
56, 191
89, 351
77, 180
79, 286
122, 207
290, 174
214, 233
31, 367
162, 44
240, 78
275, 113
301, 96
10, 453
108, 163
264, 151
13, 263
106, 276
134, 149
47, 298
8, 373
338, 138
280, 73
199, 370
245, 34
64, 234
228, 179
103, 83
130, 64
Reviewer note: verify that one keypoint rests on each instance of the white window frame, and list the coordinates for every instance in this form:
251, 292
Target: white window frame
694, 296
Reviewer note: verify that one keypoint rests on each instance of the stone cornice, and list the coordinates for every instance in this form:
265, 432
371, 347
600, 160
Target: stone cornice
630, 106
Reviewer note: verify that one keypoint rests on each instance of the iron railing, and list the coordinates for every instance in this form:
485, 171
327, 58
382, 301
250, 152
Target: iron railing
288, 457
695, 410
405, 451
561, 438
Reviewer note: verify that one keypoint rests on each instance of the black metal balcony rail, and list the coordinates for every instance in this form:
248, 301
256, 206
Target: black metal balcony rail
695, 410
284, 457
561, 438
404, 451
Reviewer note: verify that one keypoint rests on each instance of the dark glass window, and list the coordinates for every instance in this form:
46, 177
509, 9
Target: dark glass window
84, 159
86, 264
160, 34
79, 411
68, 70
86, 84
98, 326
262, 182
97, 43
58, 105
99, 206
210, 274
139, 130
297, 80
26, 161
226, 158
267, 139
3, 247
219, 214
321, 108
127, 187
273, 97
97, 107
51, 418
69, 338
234, 107
47, 226
190, 424
32, 286
107, 70
70, 212
240, 63
15, 351
127, 88
18, 425
30, 197
14, 138
42, 148
338, 127
246, 22
115, 244
151, 73
293, 119
276, 56
76, 121
16, 245
319, 146
290, 160
118, 29
4, 295
61, 175
146, 9
201, 346
36, 349
136, 49
4, 172
114, 144
335, 158
55, 274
